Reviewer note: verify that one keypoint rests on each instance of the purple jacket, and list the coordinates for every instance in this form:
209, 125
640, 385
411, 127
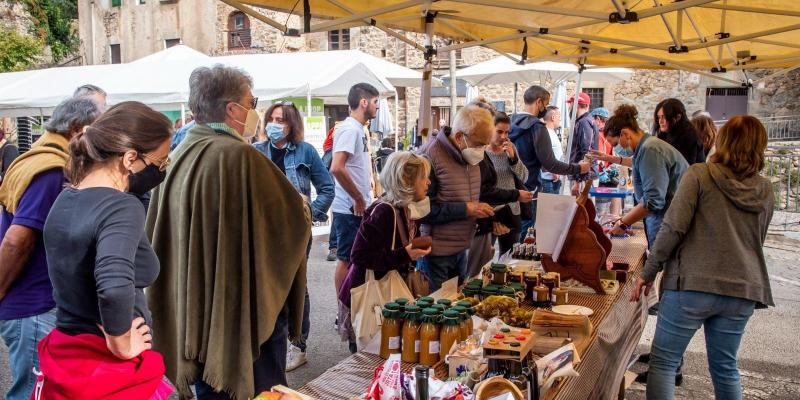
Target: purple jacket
372, 248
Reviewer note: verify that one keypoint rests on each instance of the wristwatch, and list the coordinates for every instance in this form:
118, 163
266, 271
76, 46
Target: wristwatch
623, 225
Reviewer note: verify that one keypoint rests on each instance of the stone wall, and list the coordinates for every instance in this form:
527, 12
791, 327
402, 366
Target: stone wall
13, 15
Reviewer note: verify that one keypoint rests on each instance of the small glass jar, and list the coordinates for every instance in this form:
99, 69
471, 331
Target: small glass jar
561, 295
470, 312
508, 292
519, 290
542, 296
550, 280
462, 322
445, 302
390, 330
499, 274
490, 290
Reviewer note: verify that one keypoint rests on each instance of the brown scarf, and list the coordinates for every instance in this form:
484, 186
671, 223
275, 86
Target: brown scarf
50, 151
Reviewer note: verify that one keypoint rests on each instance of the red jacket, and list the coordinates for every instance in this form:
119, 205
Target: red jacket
82, 367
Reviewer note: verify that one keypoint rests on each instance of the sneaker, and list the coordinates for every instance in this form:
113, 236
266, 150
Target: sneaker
295, 358
331, 255
642, 378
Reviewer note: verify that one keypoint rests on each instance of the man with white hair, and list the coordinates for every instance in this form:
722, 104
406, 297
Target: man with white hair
454, 193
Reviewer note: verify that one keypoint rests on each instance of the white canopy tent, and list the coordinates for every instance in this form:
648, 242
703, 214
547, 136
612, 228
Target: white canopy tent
161, 80
501, 70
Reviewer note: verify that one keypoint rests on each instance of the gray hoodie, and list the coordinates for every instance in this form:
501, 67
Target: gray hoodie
713, 235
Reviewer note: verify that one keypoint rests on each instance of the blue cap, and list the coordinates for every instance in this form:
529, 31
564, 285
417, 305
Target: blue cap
600, 112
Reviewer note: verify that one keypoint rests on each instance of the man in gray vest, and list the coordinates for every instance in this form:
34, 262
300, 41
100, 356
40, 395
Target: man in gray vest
454, 191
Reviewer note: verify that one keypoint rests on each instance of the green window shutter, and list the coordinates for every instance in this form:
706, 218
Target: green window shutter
116, 3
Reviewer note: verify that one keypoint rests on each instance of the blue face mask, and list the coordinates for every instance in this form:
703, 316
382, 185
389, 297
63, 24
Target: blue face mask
623, 151
274, 131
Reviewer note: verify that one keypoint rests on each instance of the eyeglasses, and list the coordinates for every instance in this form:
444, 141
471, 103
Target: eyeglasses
162, 163
254, 102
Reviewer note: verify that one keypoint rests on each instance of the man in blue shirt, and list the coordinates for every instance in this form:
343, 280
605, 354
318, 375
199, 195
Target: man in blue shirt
27, 309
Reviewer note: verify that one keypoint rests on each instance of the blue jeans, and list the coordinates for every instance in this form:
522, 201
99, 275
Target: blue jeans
346, 226
268, 370
22, 337
438, 269
549, 186
680, 315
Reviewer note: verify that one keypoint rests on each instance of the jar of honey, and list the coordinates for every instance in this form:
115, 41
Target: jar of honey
542, 296
424, 302
410, 334
390, 330
550, 280
450, 333
561, 295
499, 274
508, 292
531, 280
429, 337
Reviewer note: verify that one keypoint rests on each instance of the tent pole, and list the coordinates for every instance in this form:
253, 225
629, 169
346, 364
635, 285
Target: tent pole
574, 115
427, 71
516, 89
396, 120
453, 87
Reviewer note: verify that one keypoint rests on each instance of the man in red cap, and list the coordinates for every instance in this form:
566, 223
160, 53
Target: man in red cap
585, 137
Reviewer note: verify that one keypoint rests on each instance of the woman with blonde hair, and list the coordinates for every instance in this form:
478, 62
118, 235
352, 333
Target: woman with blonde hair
383, 241
721, 207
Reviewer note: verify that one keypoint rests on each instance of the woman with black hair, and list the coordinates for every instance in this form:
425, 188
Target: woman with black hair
672, 125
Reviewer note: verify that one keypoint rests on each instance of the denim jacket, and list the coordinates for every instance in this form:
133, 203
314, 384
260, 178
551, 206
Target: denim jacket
657, 170
303, 168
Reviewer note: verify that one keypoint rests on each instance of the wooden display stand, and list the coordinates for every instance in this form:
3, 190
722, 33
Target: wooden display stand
585, 249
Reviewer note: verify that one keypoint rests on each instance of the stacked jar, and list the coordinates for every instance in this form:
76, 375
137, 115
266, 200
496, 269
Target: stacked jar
429, 346
390, 330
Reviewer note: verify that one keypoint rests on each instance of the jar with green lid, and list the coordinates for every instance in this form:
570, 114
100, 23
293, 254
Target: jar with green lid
519, 289
402, 302
410, 334
470, 312
425, 299
450, 333
476, 283
429, 337
462, 325
499, 274
445, 302
508, 292
471, 291
390, 330
439, 308
490, 290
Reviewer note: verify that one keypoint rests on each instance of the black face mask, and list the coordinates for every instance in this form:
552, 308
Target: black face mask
145, 180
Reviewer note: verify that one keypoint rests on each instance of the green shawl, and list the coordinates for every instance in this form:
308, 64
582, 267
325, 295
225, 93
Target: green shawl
231, 234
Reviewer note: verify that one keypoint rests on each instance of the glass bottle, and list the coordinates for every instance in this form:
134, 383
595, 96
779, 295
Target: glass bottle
410, 333
429, 338
390, 330
450, 333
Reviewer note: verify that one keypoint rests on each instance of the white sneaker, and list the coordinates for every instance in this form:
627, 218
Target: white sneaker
294, 358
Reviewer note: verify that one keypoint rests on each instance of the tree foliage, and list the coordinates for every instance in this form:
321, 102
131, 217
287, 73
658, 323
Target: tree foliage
53, 22
17, 52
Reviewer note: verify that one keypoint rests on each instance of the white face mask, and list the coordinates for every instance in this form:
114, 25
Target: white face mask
472, 155
419, 209
250, 123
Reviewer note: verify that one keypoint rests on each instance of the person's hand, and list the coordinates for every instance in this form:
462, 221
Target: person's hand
599, 155
499, 229
525, 196
479, 210
417, 253
637, 291
617, 229
132, 343
556, 178
359, 207
509, 149
585, 166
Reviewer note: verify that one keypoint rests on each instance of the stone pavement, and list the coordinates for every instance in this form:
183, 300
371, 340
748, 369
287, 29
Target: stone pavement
770, 351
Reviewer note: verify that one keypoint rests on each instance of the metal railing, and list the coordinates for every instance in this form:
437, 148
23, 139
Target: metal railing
782, 167
785, 127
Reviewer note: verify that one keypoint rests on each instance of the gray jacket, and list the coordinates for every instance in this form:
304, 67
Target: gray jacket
713, 235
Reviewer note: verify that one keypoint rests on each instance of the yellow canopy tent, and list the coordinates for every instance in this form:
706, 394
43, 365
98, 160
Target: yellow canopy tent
707, 37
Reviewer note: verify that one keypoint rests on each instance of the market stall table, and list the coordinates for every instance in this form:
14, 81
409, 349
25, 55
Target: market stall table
618, 325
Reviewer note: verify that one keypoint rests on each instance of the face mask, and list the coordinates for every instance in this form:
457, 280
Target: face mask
472, 155
145, 180
623, 151
250, 124
274, 131
419, 209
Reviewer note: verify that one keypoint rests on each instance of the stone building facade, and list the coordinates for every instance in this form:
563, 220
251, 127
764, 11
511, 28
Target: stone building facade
207, 25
